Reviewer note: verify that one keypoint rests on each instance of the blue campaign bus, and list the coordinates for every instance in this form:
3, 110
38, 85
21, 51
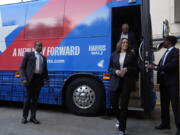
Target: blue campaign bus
78, 37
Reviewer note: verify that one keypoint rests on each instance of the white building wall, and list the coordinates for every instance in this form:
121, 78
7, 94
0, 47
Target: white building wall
161, 10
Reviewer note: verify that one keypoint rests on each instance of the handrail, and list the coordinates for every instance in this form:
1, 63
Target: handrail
140, 50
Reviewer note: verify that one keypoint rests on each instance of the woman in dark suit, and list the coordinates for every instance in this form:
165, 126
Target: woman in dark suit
123, 69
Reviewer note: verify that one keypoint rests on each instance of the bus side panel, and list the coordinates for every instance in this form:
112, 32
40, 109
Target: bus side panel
10, 87
83, 20
46, 18
82, 54
86, 48
12, 90
53, 94
12, 21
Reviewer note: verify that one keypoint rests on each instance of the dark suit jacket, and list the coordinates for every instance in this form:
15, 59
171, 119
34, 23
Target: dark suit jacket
168, 74
130, 62
132, 39
27, 67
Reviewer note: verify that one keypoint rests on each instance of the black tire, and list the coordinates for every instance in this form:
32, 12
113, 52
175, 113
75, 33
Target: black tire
97, 93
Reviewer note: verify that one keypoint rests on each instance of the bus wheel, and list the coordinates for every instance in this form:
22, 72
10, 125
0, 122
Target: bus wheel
85, 96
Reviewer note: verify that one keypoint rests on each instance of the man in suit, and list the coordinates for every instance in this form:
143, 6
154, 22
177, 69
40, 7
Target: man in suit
168, 78
129, 35
33, 71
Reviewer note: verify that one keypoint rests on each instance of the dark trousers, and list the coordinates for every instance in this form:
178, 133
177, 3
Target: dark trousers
32, 93
124, 93
167, 94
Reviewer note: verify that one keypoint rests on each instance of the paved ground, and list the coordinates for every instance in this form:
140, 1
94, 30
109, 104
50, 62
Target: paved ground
56, 121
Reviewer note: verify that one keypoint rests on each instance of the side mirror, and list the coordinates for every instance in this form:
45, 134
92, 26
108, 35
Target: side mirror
157, 47
165, 28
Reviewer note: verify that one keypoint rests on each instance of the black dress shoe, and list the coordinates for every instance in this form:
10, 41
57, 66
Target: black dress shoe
24, 121
161, 126
33, 120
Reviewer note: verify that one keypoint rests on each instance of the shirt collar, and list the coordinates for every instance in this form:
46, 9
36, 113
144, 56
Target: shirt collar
36, 52
124, 33
170, 49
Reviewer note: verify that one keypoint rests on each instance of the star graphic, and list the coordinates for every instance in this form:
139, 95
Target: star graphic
4, 32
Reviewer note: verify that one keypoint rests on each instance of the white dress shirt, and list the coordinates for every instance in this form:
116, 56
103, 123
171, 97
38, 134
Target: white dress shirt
121, 59
168, 51
39, 63
124, 36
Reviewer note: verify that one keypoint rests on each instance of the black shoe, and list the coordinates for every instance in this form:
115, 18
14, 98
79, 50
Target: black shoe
24, 121
33, 120
161, 126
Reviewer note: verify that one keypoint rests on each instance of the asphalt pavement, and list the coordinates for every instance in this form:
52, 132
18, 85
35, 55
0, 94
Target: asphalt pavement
56, 120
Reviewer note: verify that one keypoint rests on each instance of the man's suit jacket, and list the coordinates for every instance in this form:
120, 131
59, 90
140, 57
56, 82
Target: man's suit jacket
27, 67
132, 39
130, 62
168, 74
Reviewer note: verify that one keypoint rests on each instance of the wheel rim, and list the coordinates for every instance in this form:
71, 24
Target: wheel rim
84, 97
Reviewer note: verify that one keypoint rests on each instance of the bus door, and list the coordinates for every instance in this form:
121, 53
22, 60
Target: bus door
133, 16
145, 56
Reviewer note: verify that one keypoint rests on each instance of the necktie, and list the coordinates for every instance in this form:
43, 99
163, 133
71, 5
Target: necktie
163, 58
40, 63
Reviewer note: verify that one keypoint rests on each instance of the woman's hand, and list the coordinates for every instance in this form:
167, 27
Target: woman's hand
124, 71
25, 82
152, 66
47, 83
118, 73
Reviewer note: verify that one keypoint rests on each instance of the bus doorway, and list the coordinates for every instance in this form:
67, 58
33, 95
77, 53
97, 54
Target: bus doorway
132, 16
